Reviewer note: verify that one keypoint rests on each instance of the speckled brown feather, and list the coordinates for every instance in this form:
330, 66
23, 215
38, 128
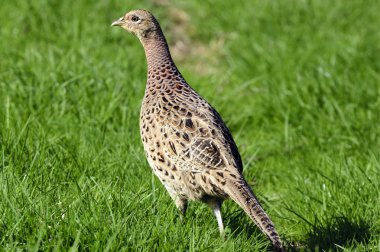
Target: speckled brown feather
186, 142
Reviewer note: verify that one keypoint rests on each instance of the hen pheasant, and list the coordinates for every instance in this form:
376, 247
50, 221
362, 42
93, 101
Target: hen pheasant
186, 142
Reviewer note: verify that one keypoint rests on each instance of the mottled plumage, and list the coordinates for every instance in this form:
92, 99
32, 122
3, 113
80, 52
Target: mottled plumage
186, 142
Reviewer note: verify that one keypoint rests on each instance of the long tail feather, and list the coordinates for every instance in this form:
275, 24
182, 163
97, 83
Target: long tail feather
243, 195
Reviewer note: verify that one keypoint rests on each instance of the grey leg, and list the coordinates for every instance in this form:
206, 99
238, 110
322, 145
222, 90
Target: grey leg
216, 208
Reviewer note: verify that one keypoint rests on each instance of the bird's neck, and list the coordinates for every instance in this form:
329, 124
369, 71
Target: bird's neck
157, 51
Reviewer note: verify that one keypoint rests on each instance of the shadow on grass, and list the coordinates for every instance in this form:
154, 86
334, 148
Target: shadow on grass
329, 235
338, 231
332, 235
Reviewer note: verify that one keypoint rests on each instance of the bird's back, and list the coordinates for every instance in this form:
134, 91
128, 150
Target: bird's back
179, 127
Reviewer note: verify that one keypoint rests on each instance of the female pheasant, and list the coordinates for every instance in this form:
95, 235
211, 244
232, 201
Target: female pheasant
186, 142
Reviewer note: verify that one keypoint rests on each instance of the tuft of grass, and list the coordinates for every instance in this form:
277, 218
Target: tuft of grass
297, 83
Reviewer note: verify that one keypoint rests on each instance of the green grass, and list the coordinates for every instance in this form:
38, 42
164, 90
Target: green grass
298, 83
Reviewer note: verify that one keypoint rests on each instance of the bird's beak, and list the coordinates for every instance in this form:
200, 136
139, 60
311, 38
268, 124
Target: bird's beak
118, 22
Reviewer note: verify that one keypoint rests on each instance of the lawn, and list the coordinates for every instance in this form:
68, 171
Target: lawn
297, 82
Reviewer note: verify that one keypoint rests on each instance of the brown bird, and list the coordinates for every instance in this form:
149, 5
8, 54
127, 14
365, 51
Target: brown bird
186, 142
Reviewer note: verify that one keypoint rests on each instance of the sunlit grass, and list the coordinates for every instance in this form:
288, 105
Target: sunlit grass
297, 83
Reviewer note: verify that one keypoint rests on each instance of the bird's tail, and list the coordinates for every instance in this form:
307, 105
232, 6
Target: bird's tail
243, 195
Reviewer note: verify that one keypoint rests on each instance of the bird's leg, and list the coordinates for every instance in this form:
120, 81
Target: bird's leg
182, 207
216, 206
218, 216
180, 203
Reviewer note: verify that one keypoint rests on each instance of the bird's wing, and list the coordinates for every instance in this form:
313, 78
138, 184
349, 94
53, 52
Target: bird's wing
198, 138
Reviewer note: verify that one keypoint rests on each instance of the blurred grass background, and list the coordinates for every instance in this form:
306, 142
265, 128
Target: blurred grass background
296, 81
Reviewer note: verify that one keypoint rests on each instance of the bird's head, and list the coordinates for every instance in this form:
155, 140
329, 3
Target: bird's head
139, 22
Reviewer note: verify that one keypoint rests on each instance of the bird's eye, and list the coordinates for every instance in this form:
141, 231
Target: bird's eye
135, 18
